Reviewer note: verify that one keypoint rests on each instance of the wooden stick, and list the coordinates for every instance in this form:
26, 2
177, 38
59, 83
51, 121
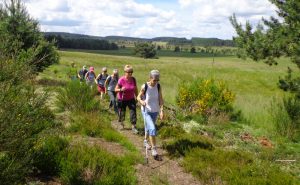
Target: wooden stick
285, 160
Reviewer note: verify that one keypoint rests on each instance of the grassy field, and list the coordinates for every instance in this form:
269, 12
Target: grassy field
254, 84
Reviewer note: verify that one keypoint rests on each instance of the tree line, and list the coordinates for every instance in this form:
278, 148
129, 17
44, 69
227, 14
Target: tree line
81, 43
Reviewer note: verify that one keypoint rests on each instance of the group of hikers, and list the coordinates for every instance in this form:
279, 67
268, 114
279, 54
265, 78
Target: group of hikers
123, 92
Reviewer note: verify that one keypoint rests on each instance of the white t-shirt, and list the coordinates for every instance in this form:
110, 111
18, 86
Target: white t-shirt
152, 98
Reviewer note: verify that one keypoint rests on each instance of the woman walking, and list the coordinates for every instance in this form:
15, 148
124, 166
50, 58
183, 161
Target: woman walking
100, 80
110, 85
90, 77
150, 97
127, 93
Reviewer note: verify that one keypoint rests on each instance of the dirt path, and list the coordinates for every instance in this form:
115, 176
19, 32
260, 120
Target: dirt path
161, 172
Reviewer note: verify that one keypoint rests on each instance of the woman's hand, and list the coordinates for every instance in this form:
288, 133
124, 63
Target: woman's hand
123, 89
161, 115
142, 102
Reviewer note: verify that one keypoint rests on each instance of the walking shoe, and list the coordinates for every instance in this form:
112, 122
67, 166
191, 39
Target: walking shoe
154, 152
122, 125
135, 131
146, 145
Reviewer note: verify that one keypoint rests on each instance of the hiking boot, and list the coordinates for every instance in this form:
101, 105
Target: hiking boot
135, 131
146, 145
154, 152
122, 125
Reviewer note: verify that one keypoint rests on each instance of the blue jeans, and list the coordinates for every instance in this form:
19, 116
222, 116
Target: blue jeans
113, 100
149, 121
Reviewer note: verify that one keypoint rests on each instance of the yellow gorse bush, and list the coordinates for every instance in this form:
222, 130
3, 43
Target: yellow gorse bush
201, 96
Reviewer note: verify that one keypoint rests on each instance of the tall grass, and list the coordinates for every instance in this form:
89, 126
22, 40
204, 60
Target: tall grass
97, 124
286, 115
76, 96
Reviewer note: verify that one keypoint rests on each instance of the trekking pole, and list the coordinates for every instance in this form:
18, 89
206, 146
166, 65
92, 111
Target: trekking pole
146, 149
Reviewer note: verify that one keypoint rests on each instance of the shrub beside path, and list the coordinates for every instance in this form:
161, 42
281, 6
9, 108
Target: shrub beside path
167, 171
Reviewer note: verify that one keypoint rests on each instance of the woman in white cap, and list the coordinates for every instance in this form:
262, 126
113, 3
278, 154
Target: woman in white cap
150, 97
110, 85
100, 81
127, 93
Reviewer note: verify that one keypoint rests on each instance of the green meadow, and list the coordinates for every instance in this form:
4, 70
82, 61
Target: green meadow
254, 84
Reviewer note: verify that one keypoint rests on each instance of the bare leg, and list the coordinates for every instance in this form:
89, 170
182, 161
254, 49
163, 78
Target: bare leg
152, 141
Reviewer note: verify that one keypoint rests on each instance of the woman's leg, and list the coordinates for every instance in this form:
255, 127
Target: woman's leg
132, 108
114, 101
121, 110
151, 128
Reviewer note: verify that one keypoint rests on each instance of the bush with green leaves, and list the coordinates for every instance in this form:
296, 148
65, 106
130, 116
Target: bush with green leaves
205, 97
76, 96
90, 165
48, 152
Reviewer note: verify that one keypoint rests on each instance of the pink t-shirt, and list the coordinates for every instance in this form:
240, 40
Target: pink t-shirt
129, 85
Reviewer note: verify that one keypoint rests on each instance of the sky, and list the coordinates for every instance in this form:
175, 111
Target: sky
147, 19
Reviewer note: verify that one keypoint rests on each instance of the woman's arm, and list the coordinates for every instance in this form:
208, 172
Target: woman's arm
97, 78
118, 88
139, 97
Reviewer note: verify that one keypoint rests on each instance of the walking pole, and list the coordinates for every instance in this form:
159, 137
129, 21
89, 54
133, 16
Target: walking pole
146, 149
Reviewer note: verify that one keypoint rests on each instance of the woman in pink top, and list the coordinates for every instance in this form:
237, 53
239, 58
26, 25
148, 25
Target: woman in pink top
127, 93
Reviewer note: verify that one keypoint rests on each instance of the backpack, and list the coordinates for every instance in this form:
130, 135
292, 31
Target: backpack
146, 87
109, 79
89, 77
100, 78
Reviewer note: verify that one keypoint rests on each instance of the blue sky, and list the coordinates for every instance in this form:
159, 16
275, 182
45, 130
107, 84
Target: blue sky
147, 19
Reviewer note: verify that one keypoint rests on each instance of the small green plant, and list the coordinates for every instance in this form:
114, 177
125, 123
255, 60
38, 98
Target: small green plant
170, 131
76, 96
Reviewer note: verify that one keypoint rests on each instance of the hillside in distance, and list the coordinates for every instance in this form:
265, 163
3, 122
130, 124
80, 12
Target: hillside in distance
197, 41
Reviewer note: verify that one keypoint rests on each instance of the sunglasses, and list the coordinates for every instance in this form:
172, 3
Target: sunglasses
130, 72
155, 80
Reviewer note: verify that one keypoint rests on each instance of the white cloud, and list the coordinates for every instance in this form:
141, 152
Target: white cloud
184, 18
